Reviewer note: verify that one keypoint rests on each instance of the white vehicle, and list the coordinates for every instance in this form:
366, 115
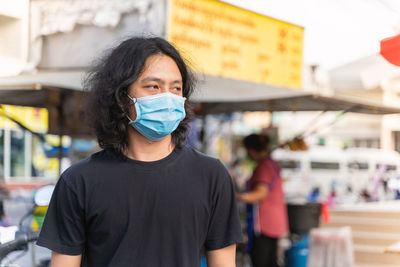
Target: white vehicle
296, 184
367, 165
333, 169
318, 167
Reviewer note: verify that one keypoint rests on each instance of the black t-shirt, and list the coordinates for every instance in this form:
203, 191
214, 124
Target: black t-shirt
147, 214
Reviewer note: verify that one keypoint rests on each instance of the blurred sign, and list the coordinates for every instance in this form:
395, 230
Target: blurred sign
51, 147
35, 119
224, 40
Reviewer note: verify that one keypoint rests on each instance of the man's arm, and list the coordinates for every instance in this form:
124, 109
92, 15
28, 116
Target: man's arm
224, 257
62, 260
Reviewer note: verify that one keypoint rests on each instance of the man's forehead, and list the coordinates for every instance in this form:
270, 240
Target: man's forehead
160, 67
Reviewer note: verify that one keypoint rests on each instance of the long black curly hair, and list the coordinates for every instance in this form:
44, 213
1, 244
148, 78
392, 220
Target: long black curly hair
107, 85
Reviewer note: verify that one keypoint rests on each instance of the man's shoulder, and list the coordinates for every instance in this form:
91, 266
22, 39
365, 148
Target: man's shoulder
204, 164
90, 165
192, 154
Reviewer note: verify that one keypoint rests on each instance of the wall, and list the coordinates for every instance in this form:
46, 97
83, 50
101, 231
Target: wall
14, 36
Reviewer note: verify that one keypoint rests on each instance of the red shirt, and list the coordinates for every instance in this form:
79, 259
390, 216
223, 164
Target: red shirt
270, 215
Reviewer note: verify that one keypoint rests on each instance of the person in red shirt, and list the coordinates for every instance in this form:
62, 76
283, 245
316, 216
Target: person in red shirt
269, 208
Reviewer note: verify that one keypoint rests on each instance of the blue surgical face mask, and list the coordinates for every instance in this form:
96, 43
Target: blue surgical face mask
158, 115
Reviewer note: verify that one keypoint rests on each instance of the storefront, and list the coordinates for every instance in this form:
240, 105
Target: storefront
23, 155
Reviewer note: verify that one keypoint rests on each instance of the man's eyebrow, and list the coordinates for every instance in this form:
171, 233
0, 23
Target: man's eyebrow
152, 79
177, 81
155, 79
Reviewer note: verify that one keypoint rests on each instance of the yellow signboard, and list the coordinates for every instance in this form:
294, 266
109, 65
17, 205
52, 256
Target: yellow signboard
224, 40
35, 119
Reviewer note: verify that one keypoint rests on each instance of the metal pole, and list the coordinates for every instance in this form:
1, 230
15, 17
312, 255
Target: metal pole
28, 156
60, 152
60, 130
7, 155
33, 249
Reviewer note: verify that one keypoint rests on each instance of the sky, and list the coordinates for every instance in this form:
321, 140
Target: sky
336, 32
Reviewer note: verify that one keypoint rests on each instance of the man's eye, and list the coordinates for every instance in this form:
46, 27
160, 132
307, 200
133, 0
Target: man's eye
177, 88
152, 86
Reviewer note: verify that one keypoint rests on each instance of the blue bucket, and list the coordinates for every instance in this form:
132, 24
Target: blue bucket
297, 254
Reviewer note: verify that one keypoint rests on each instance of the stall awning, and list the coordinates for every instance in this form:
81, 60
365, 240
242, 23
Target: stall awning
298, 103
212, 89
221, 95
61, 93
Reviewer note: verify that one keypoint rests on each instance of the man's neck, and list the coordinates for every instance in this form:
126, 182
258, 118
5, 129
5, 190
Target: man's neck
142, 149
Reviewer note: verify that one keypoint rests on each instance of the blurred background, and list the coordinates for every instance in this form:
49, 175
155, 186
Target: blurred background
322, 78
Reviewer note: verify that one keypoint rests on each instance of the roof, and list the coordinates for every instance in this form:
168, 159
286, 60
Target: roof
364, 73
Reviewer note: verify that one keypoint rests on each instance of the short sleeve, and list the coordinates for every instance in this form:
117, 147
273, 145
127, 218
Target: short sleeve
63, 229
224, 227
264, 173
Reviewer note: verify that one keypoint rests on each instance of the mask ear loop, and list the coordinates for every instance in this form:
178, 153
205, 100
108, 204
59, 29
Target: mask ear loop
134, 99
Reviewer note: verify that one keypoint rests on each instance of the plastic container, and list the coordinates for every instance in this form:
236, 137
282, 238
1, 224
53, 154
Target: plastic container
303, 217
297, 254
331, 247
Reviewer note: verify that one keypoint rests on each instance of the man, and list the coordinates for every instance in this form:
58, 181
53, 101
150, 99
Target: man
145, 200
